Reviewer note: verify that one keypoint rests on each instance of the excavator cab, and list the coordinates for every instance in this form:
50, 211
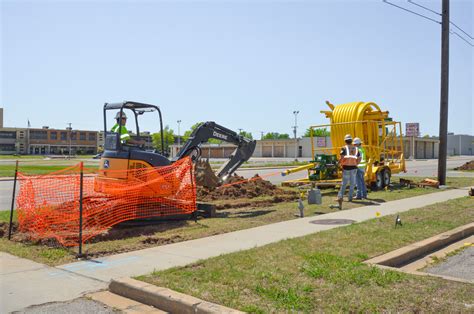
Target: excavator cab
118, 156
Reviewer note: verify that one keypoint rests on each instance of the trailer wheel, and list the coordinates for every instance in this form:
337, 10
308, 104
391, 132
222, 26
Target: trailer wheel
378, 184
386, 177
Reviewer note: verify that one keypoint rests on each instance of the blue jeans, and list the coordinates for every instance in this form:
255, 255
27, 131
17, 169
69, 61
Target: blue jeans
361, 187
348, 177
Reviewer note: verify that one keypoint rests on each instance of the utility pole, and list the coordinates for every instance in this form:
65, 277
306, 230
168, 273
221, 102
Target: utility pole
294, 132
179, 135
443, 113
261, 135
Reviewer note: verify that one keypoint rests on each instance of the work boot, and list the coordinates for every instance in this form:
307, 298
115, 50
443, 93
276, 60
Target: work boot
339, 201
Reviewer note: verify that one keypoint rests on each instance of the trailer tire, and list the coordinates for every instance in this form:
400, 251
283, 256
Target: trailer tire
378, 184
386, 177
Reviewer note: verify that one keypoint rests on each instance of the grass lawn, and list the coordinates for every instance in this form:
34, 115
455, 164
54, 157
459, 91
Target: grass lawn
452, 182
9, 170
21, 157
130, 239
324, 272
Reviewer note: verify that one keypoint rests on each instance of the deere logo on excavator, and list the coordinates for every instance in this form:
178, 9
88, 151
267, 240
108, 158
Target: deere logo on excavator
218, 135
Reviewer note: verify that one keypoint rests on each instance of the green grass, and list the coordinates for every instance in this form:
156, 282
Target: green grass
5, 216
324, 272
452, 182
9, 170
176, 231
21, 157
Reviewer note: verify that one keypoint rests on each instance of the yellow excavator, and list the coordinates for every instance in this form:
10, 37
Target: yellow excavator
119, 156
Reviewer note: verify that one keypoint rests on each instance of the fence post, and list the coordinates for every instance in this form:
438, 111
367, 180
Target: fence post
80, 207
13, 202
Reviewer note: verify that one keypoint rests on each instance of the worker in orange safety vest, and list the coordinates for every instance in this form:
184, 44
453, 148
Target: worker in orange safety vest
349, 159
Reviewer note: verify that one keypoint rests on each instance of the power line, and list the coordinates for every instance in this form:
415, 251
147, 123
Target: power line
457, 34
413, 12
433, 11
428, 9
461, 30
452, 32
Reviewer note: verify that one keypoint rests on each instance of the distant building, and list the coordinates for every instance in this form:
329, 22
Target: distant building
13, 141
423, 148
47, 141
460, 144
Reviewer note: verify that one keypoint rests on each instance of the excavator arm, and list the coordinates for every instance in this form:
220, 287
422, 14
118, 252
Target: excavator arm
208, 130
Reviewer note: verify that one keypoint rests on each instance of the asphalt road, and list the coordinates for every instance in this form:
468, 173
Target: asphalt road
77, 306
459, 266
417, 168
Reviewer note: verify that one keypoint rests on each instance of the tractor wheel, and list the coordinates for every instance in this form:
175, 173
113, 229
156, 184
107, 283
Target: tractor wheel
386, 177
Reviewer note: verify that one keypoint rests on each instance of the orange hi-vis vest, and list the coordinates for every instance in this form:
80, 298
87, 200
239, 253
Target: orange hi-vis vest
350, 159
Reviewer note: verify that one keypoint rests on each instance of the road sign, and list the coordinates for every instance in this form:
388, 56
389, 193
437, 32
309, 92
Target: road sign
412, 129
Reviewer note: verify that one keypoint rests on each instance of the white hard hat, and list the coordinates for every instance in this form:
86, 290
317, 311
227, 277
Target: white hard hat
357, 141
117, 116
348, 137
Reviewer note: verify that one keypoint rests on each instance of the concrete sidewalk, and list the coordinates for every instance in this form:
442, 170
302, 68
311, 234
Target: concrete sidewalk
24, 283
68, 281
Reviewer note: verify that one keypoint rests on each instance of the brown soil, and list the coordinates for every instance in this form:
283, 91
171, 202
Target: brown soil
4, 229
252, 193
237, 188
467, 166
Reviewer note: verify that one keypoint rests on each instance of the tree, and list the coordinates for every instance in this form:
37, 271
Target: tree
168, 138
275, 136
246, 134
317, 132
187, 134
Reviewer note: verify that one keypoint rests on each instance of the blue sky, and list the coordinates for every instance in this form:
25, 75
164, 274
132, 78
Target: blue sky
243, 64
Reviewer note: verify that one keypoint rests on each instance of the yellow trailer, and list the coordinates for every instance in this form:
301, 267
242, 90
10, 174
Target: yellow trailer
381, 138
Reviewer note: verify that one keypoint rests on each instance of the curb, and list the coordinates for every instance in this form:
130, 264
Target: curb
163, 298
407, 254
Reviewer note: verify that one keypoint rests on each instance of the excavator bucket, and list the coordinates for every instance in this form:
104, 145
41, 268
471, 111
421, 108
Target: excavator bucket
205, 176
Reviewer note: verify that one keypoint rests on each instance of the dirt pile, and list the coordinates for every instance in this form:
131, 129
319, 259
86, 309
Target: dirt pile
238, 187
467, 166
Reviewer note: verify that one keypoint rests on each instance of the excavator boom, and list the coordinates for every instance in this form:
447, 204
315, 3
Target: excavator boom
207, 130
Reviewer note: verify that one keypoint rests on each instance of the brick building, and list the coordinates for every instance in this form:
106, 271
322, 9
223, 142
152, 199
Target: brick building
47, 141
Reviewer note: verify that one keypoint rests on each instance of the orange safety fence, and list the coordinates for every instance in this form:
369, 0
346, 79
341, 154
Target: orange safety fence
48, 205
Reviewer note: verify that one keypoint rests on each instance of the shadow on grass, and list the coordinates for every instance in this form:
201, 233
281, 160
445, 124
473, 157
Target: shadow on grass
369, 202
138, 228
243, 214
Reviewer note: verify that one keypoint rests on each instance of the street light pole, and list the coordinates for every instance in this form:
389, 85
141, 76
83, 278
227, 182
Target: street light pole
179, 135
294, 132
70, 138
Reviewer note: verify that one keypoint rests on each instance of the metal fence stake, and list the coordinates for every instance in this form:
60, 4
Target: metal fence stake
13, 202
80, 208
